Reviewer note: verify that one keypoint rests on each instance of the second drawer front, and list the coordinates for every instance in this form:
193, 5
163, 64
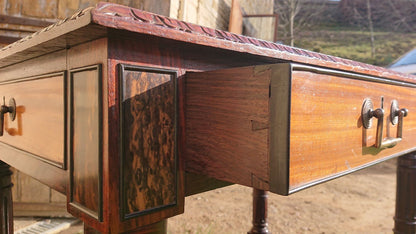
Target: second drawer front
327, 137
39, 124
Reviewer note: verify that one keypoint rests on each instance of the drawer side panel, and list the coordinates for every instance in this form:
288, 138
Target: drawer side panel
227, 124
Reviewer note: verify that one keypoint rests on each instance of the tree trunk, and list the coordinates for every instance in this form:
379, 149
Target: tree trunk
292, 22
370, 26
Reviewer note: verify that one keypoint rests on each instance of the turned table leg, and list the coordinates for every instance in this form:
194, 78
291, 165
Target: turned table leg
6, 204
259, 212
405, 218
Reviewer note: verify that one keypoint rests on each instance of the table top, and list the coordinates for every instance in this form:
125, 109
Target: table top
99, 21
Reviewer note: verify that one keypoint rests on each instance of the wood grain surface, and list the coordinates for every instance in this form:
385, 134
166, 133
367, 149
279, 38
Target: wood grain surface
229, 124
135, 20
233, 115
59, 36
33, 165
149, 139
227, 120
86, 137
90, 56
39, 125
327, 136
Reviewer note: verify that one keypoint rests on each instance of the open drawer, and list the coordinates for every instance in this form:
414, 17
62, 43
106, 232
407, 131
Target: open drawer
285, 127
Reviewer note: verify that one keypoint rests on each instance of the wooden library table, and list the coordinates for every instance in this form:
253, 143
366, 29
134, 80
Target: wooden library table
127, 112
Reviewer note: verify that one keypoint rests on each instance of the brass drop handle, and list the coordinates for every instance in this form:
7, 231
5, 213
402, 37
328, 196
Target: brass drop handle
7, 109
396, 117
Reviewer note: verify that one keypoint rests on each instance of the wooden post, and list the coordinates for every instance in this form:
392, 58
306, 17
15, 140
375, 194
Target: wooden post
405, 218
259, 212
6, 204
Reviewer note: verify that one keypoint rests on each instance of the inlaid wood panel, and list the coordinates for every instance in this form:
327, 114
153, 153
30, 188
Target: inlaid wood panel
86, 151
39, 125
148, 130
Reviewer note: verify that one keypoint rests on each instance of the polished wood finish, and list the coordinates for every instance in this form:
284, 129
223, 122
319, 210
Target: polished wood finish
39, 125
140, 22
90, 230
197, 183
290, 120
6, 204
44, 110
260, 225
86, 155
90, 61
156, 228
59, 36
225, 122
129, 59
226, 110
405, 217
326, 121
149, 126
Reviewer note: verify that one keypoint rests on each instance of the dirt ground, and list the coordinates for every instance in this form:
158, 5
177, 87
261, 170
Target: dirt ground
362, 202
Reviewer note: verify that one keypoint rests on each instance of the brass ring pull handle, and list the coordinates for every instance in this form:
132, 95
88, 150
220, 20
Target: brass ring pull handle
7, 109
396, 116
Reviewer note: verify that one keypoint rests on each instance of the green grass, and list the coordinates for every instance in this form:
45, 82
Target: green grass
354, 44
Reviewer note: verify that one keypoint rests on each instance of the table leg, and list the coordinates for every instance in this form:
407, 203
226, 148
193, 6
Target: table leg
6, 204
259, 212
405, 218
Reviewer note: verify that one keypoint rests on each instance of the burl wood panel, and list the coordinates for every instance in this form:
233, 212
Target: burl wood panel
226, 122
86, 140
148, 115
39, 125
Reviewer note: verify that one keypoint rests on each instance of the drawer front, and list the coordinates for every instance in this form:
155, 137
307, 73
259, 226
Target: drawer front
39, 124
285, 127
326, 133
